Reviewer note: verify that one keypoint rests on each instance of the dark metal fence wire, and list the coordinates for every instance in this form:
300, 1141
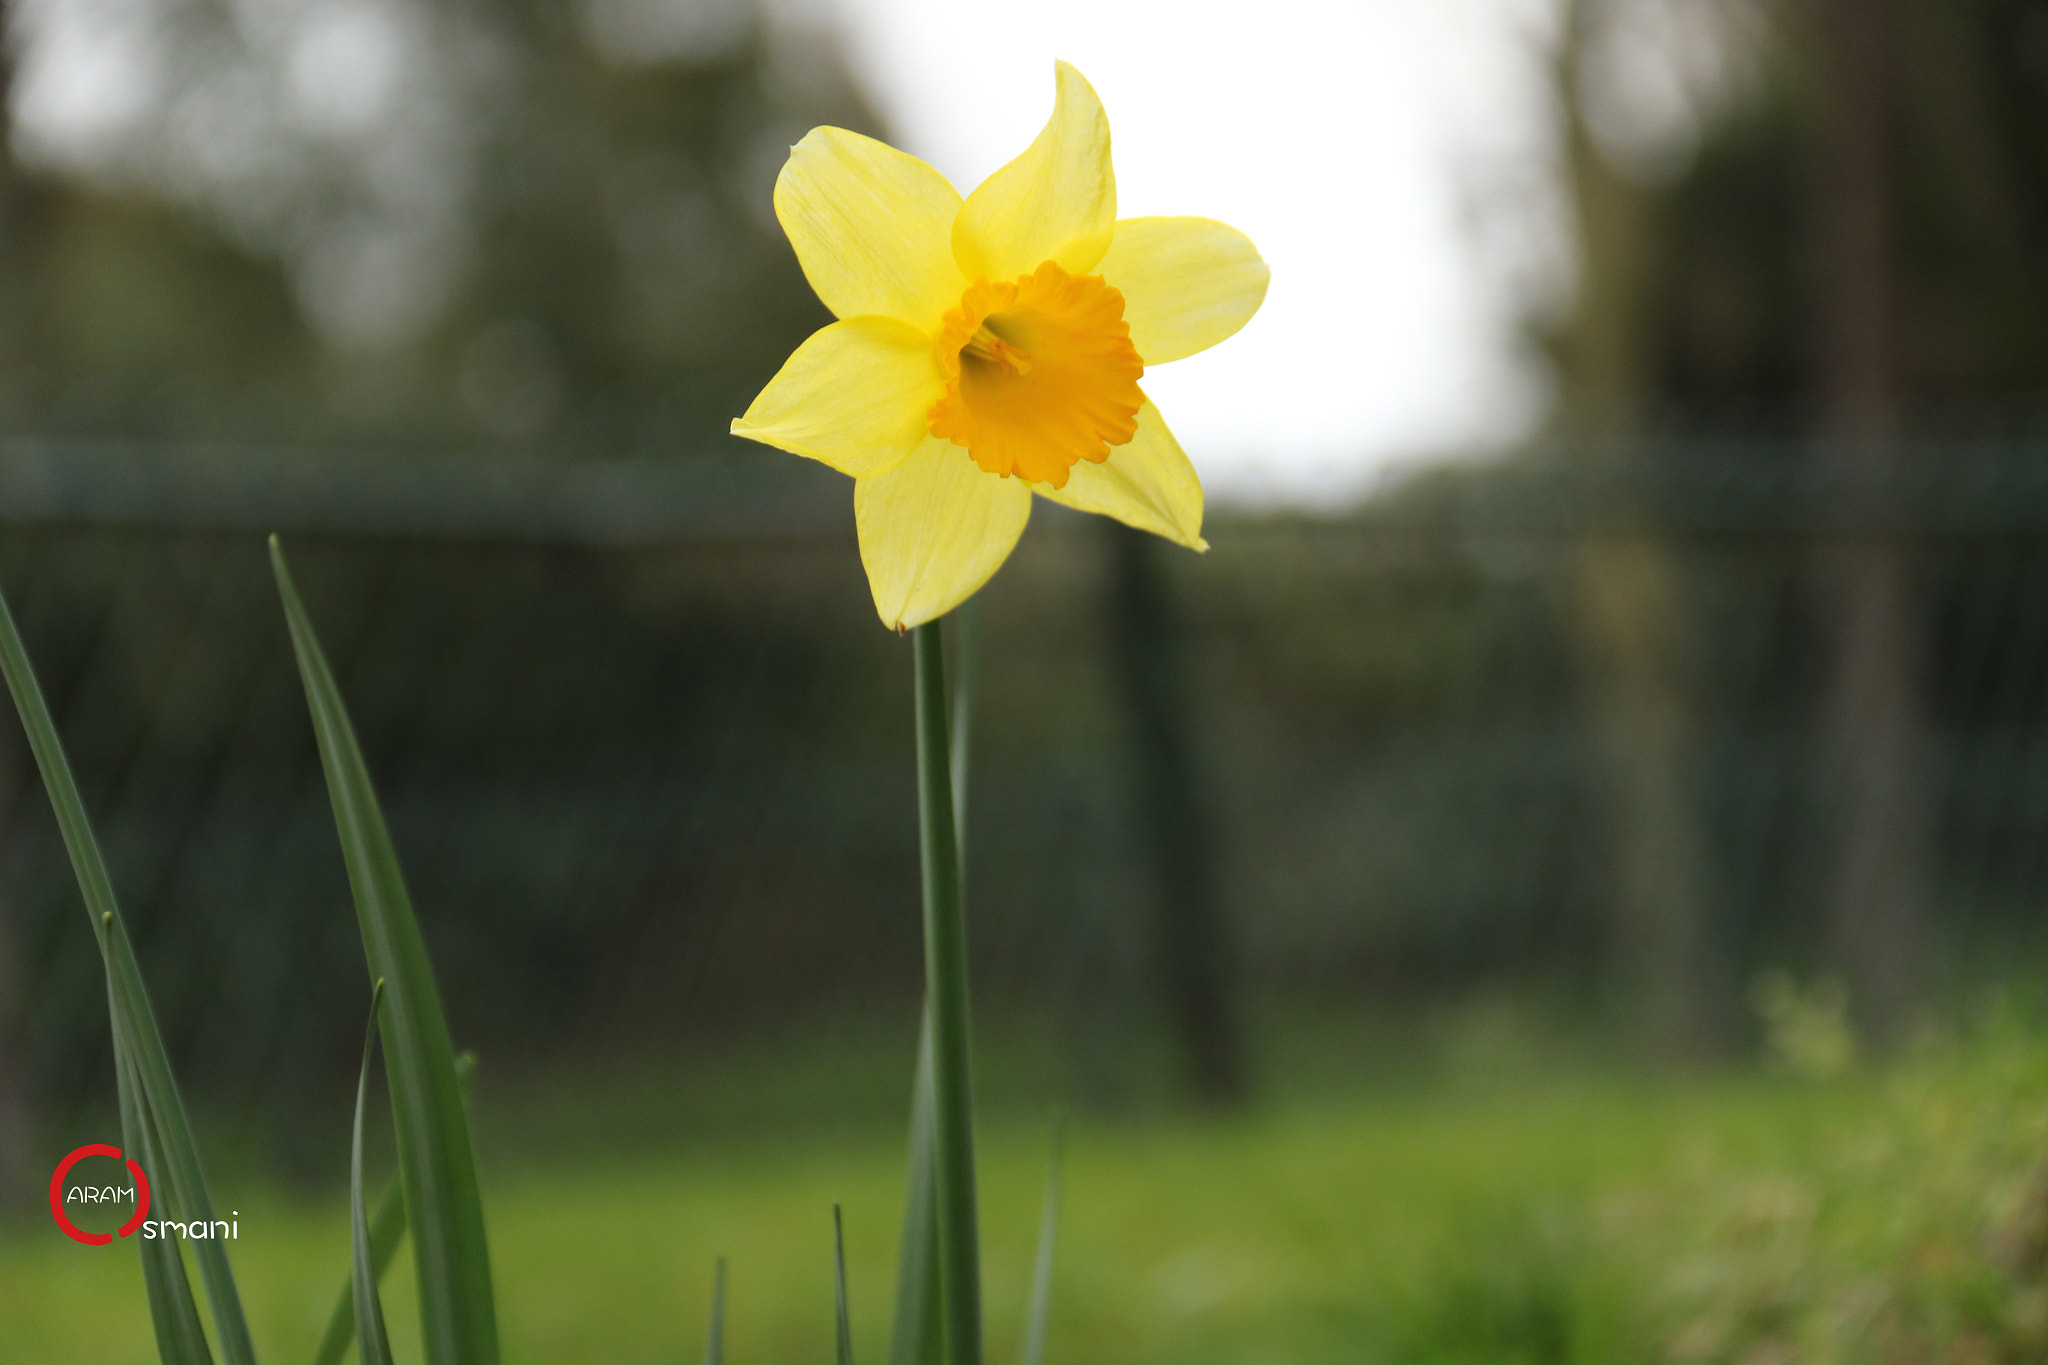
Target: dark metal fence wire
647, 753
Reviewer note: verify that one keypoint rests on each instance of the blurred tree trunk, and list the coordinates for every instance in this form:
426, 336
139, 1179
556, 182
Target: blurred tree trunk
17, 1107
1872, 745
1188, 934
1627, 607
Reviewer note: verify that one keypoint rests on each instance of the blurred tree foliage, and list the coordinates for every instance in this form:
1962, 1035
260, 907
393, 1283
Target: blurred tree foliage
494, 224
1707, 114
1820, 223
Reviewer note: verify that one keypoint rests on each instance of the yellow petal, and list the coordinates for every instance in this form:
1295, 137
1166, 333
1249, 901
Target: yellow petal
854, 396
1056, 202
1187, 283
933, 530
1146, 482
872, 227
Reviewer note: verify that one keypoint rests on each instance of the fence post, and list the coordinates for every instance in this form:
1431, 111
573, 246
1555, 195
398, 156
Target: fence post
1873, 759
1626, 605
1188, 936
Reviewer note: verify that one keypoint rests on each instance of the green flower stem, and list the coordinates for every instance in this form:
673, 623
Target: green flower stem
966, 619
945, 967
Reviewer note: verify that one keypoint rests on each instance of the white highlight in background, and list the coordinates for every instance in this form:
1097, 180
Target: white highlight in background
1350, 140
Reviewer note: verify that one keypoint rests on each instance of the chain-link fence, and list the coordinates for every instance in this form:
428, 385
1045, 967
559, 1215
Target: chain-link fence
1558, 723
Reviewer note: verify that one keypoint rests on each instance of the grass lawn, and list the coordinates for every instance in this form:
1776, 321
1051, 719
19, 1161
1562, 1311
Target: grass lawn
1388, 1222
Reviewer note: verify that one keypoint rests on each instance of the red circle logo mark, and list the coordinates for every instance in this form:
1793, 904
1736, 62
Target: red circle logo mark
71, 1230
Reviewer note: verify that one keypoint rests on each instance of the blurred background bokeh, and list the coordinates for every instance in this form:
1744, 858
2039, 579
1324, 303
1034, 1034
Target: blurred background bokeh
1626, 609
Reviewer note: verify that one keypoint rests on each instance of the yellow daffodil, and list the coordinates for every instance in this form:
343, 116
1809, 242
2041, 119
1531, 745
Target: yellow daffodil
992, 347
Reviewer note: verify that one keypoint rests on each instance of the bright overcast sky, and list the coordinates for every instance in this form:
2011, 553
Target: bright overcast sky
1350, 138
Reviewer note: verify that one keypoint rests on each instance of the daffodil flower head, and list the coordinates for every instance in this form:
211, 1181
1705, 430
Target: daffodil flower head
991, 347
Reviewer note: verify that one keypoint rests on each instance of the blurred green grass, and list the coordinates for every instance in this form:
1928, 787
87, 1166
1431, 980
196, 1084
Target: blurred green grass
1431, 1218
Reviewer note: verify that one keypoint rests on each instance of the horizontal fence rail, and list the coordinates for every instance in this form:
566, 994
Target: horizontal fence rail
1692, 487
713, 499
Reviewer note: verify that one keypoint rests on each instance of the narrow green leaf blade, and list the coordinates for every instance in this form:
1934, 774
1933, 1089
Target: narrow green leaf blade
437, 1165
1033, 1352
172, 1148
376, 1342
180, 1340
175, 1171
387, 1232
714, 1340
843, 1317
918, 1335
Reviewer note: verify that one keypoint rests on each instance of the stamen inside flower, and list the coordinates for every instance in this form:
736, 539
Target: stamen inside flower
1040, 373
986, 345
